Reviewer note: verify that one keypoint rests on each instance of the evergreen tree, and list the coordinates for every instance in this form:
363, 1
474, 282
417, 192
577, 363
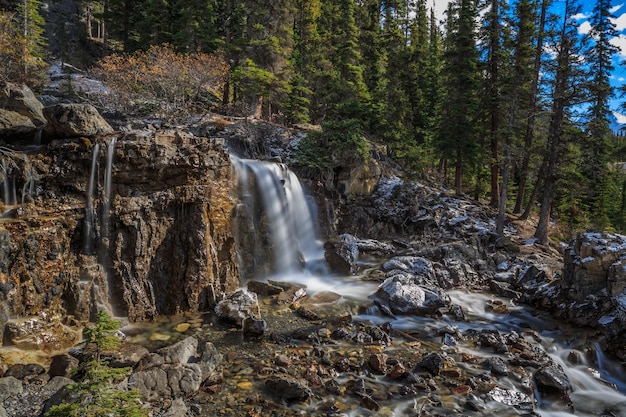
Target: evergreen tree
262, 76
530, 117
457, 138
23, 52
599, 57
494, 55
519, 90
565, 93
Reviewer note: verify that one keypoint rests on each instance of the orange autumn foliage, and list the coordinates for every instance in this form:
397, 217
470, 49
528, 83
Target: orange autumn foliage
163, 80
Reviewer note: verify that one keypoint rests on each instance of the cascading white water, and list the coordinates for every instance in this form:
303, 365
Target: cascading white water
89, 234
286, 214
108, 178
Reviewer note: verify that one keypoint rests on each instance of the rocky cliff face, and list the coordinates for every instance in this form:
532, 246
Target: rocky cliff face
165, 246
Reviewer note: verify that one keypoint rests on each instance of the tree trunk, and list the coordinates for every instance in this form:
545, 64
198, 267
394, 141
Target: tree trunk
458, 175
562, 79
530, 123
495, 101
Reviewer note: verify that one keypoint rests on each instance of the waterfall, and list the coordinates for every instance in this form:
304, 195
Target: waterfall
277, 217
90, 235
108, 175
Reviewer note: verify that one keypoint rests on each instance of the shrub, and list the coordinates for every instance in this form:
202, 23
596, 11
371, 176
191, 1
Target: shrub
173, 83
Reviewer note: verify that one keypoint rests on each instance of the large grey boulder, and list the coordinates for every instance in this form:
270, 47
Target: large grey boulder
21, 114
342, 254
74, 120
20, 99
404, 295
175, 371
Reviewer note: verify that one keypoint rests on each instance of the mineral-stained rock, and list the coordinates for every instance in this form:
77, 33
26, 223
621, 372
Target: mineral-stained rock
38, 333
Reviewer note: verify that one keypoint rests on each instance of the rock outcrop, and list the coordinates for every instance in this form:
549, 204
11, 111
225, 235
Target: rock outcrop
74, 120
165, 228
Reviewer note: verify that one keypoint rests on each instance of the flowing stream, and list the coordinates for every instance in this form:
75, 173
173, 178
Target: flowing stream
285, 212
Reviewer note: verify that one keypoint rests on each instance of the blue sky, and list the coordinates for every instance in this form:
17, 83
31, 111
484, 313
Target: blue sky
619, 10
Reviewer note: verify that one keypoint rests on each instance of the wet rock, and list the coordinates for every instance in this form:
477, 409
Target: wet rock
287, 388
496, 366
46, 334
378, 362
404, 296
494, 339
342, 254
414, 265
308, 314
432, 363
263, 288
63, 365
511, 397
552, 379
253, 327
74, 120
238, 306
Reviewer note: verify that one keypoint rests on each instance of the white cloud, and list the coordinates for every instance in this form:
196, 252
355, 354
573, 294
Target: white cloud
580, 16
620, 42
620, 22
621, 119
584, 28
615, 8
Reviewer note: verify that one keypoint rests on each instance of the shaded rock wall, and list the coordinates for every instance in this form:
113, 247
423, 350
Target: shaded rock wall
168, 246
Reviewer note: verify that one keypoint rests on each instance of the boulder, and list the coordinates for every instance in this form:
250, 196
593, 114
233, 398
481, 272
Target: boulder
74, 120
404, 295
175, 371
128, 354
18, 98
238, 306
63, 365
342, 254
10, 386
15, 125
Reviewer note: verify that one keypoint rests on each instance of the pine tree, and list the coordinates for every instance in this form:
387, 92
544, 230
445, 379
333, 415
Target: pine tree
599, 56
494, 54
457, 138
530, 117
519, 89
565, 94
